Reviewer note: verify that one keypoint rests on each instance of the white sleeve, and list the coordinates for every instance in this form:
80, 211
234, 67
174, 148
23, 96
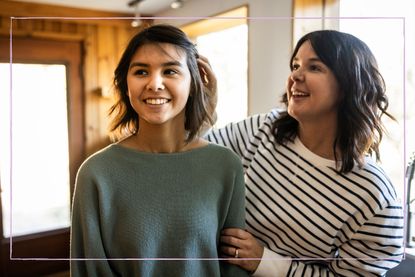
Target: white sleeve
272, 264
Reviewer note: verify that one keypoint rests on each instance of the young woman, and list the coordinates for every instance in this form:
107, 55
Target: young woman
154, 202
317, 204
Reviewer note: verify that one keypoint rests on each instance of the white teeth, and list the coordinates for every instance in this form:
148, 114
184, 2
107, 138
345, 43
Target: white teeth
298, 93
156, 101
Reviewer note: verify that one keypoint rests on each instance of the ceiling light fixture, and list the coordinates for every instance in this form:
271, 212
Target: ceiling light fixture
176, 4
136, 21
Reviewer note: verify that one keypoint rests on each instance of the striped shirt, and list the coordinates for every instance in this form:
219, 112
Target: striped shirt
304, 212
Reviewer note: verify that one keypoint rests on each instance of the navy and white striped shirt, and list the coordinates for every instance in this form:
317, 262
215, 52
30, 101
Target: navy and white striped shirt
324, 223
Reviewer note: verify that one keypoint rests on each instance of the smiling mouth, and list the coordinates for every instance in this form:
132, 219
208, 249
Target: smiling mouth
296, 94
156, 101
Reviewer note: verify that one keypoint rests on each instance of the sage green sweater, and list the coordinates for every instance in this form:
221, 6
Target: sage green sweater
146, 214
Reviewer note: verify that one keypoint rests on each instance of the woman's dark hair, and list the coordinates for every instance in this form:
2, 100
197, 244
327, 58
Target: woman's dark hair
360, 129
199, 110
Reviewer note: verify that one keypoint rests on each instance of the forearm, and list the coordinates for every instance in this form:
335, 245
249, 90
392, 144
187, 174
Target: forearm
272, 265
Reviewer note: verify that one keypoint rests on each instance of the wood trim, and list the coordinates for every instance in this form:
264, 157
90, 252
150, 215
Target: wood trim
52, 244
22, 9
72, 56
33, 246
236, 17
43, 35
70, 53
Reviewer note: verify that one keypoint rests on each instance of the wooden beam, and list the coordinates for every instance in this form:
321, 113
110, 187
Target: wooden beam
24, 9
229, 19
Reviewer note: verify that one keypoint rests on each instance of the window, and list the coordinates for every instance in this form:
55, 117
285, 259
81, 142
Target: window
225, 43
385, 38
48, 147
388, 29
40, 170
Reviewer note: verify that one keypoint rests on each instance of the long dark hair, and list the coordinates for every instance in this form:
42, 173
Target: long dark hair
364, 101
199, 109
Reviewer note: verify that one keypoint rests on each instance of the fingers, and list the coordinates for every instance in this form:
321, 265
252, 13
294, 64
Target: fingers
231, 252
236, 237
231, 241
236, 232
203, 58
206, 73
241, 248
204, 68
240, 257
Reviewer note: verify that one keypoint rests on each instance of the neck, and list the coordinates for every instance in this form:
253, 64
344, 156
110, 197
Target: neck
319, 139
160, 139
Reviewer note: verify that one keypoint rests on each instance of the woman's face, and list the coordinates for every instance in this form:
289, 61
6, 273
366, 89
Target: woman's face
312, 89
158, 83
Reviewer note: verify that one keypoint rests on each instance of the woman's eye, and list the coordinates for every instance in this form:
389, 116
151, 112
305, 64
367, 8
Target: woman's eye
295, 66
140, 72
170, 72
315, 68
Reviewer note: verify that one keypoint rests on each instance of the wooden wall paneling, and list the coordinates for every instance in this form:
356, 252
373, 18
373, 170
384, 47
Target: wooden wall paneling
90, 60
107, 57
91, 72
123, 37
103, 41
4, 25
107, 61
21, 9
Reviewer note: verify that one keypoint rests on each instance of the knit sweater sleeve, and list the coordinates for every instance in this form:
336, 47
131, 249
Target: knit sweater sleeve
86, 240
235, 218
375, 248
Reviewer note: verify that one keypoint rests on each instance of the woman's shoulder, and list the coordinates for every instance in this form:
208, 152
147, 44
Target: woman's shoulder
250, 126
264, 118
374, 180
221, 154
102, 156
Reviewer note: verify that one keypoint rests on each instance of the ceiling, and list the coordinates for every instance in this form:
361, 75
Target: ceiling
146, 7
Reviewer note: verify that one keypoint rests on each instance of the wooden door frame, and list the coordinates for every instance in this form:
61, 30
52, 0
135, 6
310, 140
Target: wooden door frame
30, 50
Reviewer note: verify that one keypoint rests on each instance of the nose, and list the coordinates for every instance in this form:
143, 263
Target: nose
297, 75
155, 83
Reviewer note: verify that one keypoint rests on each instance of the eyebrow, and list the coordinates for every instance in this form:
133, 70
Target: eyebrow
172, 63
315, 59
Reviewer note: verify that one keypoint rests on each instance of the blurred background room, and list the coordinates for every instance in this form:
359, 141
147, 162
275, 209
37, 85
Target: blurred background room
57, 59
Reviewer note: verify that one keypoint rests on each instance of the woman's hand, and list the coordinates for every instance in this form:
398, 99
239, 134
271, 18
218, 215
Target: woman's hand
242, 248
206, 72
210, 85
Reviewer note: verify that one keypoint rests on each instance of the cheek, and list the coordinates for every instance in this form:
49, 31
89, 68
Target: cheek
185, 88
134, 86
333, 84
128, 93
336, 94
289, 83
129, 86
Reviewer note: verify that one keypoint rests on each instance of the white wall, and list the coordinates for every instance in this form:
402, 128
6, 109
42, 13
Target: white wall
270, 36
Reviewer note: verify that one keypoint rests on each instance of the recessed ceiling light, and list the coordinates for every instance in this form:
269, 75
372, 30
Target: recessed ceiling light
176, 4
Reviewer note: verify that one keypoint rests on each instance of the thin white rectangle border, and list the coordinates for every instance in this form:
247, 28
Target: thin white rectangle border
199, 18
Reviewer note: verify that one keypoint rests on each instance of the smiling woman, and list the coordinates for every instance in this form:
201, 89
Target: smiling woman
158, 83
122, 191
316, 199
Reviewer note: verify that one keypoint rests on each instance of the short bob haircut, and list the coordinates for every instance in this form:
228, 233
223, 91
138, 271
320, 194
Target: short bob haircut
360, 129
199, 110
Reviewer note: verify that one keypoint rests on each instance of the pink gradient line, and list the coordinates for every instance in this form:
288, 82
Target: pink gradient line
259, 18
11, 137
